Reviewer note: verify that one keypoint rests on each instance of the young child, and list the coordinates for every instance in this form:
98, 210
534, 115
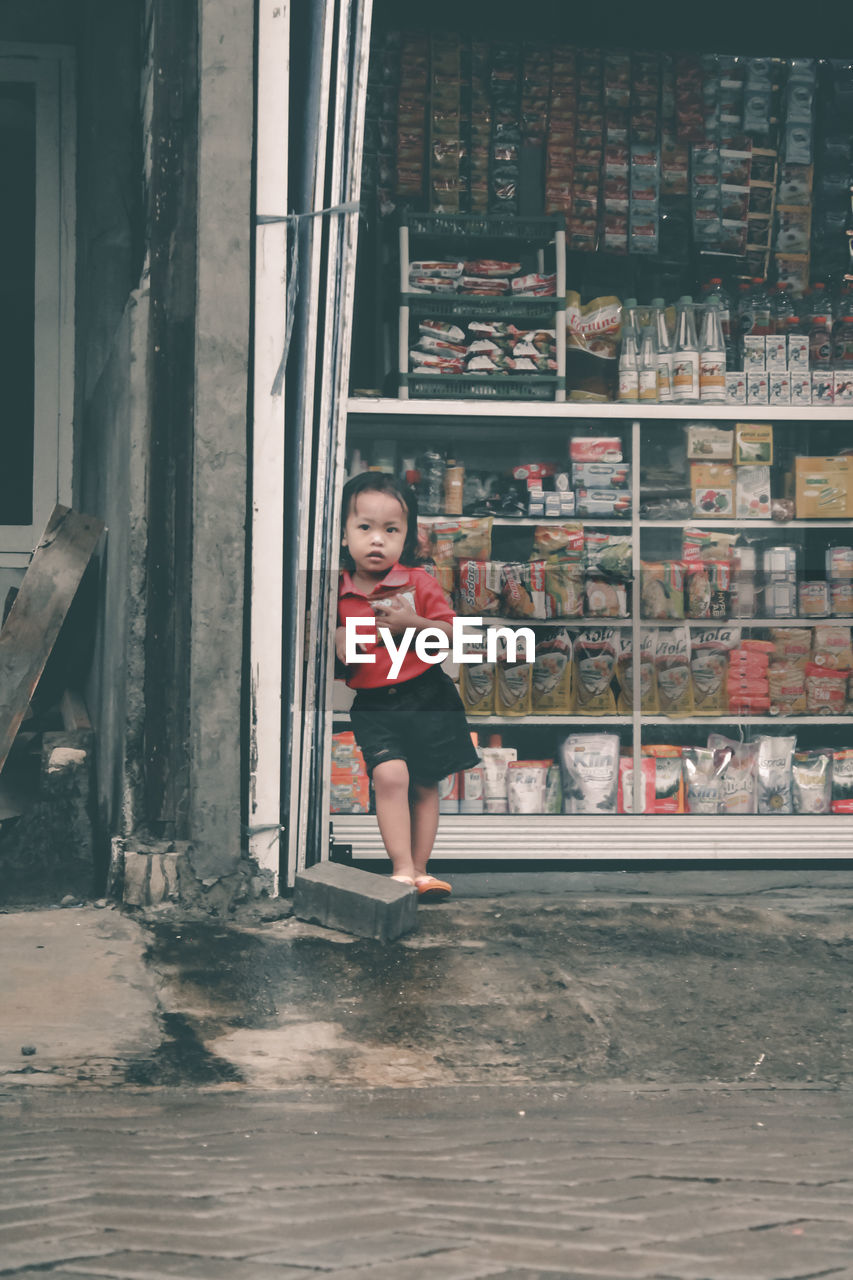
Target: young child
410, 726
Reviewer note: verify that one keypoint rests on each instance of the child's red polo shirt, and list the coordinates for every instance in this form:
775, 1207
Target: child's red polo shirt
430, 603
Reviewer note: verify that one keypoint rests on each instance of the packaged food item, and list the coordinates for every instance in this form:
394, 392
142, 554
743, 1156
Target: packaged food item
752, 493
595, 449
590, 769
592, 350
448, 794
479, 584
708, 443
709, 668
739, 774
786, 686
595, 663
552, 672
841, 598
495, 792
350, 785
839, 562
791, 644
454, 483
814, 599
603, 502
553, 789
605, 599
707, 544
648, 680
526, 780
832, 647
842, 781
780, 599
753, 443
607, 554
672, 668
712, 486
564, 590
513, 686
477, 685
601, 475
824, 488
461, 539
811, 781
666, 794
704, 770
520, 597
564, 541
774, 773
662, 589
826, 690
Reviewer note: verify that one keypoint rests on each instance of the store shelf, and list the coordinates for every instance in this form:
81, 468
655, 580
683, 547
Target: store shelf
521, 522
744, 622
384, 406
474, 721
574, 623
711, 522
748, 721
619, 838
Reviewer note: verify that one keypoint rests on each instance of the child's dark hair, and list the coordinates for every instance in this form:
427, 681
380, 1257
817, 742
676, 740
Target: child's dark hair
381, 482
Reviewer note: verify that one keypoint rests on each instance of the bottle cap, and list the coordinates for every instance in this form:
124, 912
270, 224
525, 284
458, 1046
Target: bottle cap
686, 299
630, 302
657, 302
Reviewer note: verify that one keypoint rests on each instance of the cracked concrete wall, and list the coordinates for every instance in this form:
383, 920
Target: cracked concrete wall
226, 124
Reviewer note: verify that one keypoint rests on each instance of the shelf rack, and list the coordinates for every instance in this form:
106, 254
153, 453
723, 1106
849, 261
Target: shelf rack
619, 837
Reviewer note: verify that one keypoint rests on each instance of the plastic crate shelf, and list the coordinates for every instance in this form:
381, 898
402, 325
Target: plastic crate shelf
453, 386
439, 306
492, 227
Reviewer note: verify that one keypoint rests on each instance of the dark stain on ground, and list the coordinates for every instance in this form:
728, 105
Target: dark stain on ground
181, 1059
534, 991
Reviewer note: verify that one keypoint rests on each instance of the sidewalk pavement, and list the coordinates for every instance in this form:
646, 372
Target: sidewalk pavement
597, 1076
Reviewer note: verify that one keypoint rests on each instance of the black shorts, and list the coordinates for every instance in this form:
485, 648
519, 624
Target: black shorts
421, 721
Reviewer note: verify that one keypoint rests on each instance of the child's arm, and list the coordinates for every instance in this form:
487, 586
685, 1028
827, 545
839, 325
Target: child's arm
397, 615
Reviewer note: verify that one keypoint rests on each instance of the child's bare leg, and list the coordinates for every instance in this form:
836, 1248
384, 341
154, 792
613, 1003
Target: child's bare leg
391, 788
424, 823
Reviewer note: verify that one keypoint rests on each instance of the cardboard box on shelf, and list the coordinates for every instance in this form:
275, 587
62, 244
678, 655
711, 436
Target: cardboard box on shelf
752, 493
824, 488
753, 443
712, 487
710, 444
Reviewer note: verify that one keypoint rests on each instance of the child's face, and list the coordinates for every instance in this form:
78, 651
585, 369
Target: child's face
375, 532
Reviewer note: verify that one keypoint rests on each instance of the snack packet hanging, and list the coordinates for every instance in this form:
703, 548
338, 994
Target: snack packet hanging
648, 680
704, 770
605, 599
590, 768
513, 684
791, 644
495, 761
739, 781
564, 590
478, 587
710, 650
811, 779
594, 665
786, 682
672, 668
774, 774
552, 672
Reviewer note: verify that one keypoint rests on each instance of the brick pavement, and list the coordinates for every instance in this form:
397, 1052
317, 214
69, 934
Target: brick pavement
585, 1183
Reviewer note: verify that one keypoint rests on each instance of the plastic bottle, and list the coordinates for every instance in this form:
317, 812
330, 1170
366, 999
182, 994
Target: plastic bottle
818, 324
648, 367
712, 356
629, 358
842, 334
663, 342
714, 289
685, 365
783, 310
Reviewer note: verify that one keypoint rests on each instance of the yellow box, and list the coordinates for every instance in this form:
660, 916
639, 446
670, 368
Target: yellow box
824, 488
753, 443
712, 488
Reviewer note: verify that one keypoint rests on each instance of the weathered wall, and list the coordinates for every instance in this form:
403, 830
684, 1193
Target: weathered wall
226, 62
111, 434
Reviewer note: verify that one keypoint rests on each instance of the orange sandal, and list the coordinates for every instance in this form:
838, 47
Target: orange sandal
432, 890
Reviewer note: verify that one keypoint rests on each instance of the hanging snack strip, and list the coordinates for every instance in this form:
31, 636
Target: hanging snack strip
589, 150
444, 121
480, 129
411, 114
505, 147
560, 148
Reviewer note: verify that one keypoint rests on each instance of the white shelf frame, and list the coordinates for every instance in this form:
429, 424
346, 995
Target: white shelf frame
385, 406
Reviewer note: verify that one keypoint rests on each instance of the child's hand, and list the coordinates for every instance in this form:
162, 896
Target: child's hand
396, 614
341, 644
